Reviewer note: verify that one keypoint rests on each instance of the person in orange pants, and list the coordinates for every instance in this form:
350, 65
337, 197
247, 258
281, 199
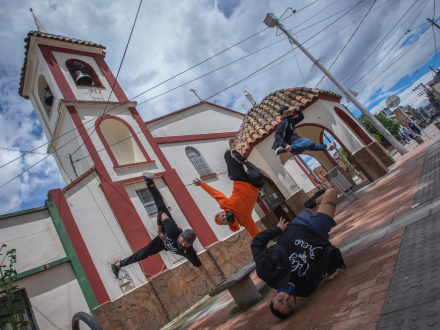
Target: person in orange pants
237, 209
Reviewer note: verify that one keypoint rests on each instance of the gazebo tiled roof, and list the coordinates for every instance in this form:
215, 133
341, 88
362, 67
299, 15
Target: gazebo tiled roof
48, 36
263, 118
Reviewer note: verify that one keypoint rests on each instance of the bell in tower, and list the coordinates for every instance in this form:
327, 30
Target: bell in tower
48, 97
82, 77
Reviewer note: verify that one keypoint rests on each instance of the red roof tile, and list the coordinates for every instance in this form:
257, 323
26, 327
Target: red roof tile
48, 36
262, 119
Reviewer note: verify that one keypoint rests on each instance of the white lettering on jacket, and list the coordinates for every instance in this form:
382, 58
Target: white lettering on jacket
300, 262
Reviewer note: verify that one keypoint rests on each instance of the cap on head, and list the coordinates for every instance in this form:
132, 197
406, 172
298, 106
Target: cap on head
282, 109
217, 219
189, 235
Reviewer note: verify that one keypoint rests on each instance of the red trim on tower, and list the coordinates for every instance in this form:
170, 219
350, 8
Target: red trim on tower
56, 71
79, 245
353, 125
110, 78
195, 137
124, 210
150, 139
98, 123
305, 170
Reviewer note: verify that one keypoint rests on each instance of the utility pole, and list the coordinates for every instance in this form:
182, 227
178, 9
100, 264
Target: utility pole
272, 21
433, 23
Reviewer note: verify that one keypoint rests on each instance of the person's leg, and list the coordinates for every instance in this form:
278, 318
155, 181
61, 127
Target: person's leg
256, 177
157, 197
236, 170
327, 202
154, 247
303, 144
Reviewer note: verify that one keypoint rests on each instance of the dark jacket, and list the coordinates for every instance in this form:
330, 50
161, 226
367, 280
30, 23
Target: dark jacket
286, 128
269, 259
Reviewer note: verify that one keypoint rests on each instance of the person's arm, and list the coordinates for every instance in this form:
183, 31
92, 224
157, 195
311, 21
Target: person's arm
298, 118
208, 276
161, 235
279, 132
260, 241
251, 227
219, 197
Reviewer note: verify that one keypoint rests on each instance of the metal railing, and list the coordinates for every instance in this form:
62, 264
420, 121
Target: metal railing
87, 319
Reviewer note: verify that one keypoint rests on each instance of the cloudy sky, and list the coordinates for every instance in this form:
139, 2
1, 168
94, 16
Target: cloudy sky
172, 36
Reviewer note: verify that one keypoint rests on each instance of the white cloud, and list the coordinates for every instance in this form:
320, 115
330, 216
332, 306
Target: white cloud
170, 37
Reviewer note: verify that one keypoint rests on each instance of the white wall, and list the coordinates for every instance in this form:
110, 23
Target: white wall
264, 157
202, 119
298, 175
102, 235
35, 239
55, 297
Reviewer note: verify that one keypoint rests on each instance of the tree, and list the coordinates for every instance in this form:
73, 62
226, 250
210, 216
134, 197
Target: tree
10, 305
392, 126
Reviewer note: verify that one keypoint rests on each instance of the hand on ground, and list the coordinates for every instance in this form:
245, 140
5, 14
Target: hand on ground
197, 182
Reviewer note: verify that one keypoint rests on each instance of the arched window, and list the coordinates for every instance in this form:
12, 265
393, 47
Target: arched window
123, 146
197, 161
45, 94
83, 74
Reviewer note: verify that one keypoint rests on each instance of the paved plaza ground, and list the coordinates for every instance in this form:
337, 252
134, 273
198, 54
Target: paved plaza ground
391, 246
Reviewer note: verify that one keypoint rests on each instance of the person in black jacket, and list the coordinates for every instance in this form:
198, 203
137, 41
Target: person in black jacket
170, 238
302, 256
286, 139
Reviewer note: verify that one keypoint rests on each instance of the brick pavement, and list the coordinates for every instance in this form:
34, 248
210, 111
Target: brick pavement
382, 201
354, 299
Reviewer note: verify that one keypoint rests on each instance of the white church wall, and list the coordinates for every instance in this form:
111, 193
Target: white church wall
323, 113
202, 119
83, 93
55, 296
101, 232
212, 151
40, 67
88, 114
150, 220
339, 106
298, 175
264, 158
31, 232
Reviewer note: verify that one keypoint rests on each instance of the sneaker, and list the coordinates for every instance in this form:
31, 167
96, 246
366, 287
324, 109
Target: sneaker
114, 270
238, 156
280, 151
311, 202
148, 176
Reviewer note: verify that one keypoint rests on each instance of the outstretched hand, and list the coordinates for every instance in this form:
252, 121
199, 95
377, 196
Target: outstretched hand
197, 182
283, 224
288, 148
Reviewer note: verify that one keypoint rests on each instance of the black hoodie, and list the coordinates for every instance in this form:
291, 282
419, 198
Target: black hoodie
275, 268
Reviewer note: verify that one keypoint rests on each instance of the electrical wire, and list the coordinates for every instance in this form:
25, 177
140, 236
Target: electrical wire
92, 119
346, 44
381, 42
387, 52
114, 83
39, 153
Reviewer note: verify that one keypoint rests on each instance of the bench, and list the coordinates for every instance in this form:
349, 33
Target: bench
241, 287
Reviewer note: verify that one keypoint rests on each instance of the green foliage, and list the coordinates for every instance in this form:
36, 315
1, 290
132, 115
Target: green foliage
388, 123
10, 305
345, 154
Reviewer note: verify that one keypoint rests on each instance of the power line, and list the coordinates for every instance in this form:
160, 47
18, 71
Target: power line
346, 44
387, 52
39, 153
116, 79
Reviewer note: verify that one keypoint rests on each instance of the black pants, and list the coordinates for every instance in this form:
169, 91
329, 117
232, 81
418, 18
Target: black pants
236, 171
156, 245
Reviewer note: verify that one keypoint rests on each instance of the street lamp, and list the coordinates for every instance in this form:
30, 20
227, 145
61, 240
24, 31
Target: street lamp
271, 21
